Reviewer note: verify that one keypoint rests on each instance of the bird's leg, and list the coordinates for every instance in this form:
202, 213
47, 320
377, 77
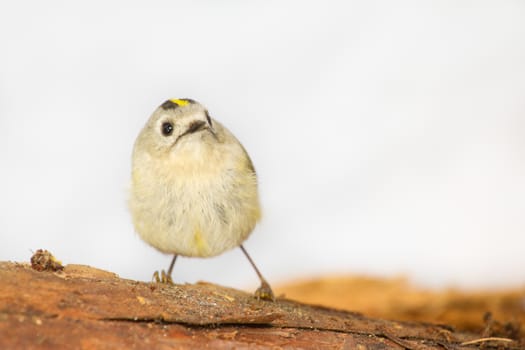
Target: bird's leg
264, 291
165, 277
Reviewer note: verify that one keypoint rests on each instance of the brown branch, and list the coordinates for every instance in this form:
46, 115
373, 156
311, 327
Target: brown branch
83, 307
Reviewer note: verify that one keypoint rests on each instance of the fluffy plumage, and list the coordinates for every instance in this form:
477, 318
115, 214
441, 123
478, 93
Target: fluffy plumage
194, 189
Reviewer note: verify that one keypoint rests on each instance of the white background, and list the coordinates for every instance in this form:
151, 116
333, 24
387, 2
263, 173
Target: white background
388, 135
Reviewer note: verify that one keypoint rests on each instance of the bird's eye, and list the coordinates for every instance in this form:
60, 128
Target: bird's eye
167, 128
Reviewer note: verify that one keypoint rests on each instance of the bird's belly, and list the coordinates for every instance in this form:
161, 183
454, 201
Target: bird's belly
197, 220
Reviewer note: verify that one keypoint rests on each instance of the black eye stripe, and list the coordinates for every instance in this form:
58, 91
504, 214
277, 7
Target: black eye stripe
167, 128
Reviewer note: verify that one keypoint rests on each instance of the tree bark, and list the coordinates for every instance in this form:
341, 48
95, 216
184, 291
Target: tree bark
80, 307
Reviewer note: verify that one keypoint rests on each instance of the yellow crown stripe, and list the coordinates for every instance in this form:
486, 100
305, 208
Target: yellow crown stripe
180, 103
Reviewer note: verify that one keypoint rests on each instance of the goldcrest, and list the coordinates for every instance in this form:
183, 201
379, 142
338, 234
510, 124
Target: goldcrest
193, 186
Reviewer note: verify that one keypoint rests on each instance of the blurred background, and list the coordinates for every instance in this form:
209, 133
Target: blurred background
388, 136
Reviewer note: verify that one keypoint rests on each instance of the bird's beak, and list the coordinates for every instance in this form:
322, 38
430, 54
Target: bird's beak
195, 126
199, 125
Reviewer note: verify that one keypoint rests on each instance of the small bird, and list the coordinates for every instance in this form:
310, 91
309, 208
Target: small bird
193, 187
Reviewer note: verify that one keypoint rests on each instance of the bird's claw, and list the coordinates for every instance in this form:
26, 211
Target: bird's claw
162, 277
264, 292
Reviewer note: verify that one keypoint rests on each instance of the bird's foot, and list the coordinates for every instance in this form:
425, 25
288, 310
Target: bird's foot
162, 277
264, 292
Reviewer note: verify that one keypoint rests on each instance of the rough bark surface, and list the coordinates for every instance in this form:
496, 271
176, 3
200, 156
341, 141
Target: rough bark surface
85, 308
